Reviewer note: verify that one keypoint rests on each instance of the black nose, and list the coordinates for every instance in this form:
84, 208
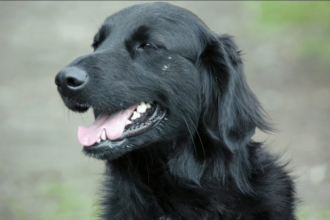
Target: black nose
71, 80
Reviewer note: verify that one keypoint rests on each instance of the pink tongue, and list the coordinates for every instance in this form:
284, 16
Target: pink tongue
114, 126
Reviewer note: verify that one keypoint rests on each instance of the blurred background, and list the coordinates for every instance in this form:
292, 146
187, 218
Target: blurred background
44, 175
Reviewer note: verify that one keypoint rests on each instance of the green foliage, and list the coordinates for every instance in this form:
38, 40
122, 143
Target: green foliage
296, 12
310, 19
68, 204
51, 200
316, 213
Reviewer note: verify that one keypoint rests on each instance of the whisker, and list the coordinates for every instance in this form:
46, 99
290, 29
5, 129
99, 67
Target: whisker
192, 138
145, 159
200, 139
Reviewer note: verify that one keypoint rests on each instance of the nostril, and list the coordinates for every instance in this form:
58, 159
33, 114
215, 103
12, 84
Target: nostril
74, 77
71, 80
74, 81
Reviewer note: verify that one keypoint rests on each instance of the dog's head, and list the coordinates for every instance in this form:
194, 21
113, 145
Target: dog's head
158, 74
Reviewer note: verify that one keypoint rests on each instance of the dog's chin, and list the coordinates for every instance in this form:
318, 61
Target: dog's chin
109, 150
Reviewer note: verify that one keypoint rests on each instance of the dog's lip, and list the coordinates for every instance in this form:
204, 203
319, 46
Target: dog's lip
152, 121
108, 144
143, 126
76, 106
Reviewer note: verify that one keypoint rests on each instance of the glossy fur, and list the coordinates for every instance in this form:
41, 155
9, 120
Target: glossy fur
201, 163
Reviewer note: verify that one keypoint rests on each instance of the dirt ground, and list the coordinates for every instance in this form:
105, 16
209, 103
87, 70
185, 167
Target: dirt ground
38, 145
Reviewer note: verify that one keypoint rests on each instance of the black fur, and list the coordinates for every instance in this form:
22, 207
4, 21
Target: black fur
200, 161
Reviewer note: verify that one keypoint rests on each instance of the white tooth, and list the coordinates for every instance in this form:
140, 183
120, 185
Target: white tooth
128, 122
135, 115
143, 104
98, 141
141, 108
103, 135
148, 105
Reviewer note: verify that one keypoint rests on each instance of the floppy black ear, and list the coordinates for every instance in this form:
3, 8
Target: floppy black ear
230, 111
229, 107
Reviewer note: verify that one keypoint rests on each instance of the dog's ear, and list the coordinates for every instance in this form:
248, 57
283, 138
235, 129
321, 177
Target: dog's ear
229, 107
230, 111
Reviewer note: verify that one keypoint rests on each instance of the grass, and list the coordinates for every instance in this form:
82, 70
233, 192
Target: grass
50, 201
68, 204
313, 213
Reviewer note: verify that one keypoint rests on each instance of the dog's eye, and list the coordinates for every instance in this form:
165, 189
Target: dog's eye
146, 46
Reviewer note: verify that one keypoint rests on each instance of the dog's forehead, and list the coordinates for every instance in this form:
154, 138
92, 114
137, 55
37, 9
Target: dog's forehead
162, 19
156, 15
142, 12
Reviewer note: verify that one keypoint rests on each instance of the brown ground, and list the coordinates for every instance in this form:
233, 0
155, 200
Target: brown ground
38, 134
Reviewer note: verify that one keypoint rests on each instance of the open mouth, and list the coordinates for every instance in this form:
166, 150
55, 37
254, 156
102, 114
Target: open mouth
123, 124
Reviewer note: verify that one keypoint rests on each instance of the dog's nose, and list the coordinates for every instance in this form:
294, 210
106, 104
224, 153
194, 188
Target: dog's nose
71, 80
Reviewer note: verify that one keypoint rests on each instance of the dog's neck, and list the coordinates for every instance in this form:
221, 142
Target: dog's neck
146, 180
136, 177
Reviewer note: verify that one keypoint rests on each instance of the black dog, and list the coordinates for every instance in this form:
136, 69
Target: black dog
174, 121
